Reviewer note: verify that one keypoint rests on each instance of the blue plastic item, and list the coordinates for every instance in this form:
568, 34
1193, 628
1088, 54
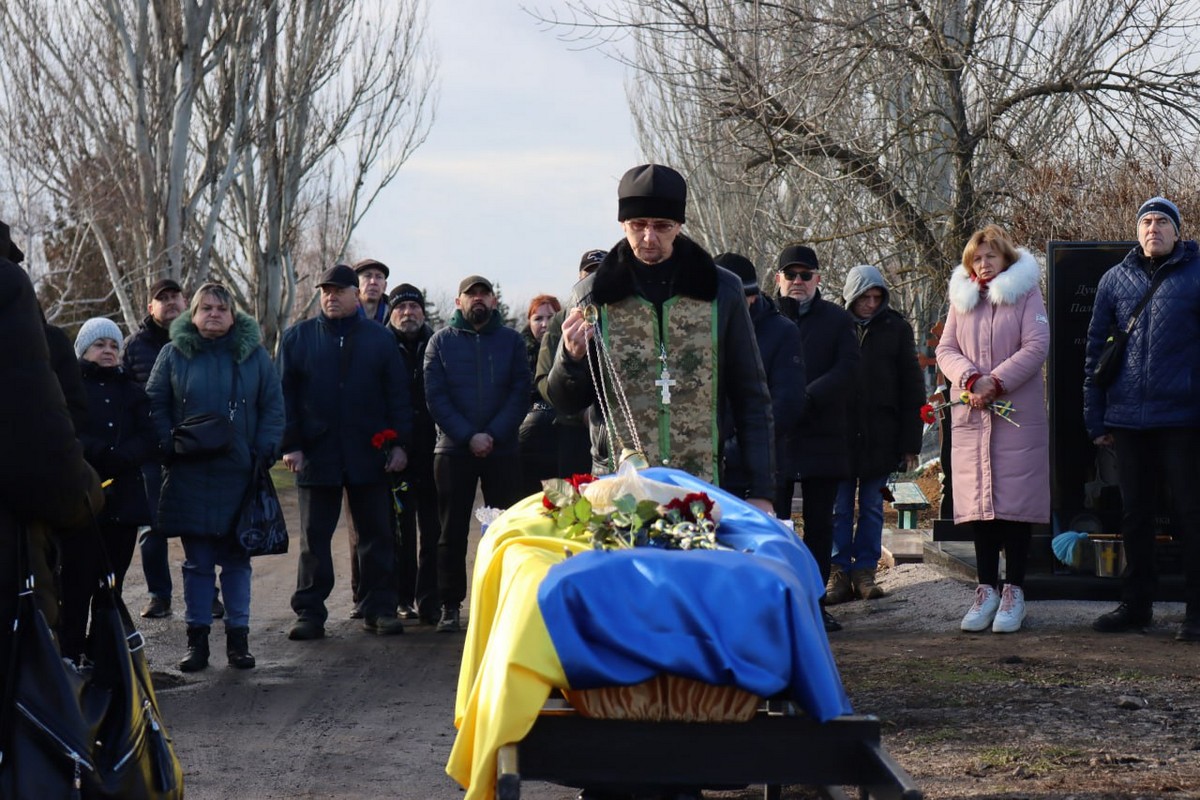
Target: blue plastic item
1066, 547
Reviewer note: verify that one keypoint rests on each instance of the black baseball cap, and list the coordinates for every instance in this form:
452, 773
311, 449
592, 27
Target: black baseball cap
798, 254
339, 275
591, 261
164, 285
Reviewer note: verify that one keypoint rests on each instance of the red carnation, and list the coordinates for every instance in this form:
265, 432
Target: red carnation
380, 440
579, 481
928, 414
546, 503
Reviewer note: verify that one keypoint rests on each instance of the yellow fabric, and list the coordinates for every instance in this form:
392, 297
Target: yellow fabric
509, 664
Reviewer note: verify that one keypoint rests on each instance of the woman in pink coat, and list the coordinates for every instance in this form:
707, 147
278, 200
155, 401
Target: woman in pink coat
992, 350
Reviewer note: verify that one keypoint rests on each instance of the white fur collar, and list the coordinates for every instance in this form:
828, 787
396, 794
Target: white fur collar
1005, 289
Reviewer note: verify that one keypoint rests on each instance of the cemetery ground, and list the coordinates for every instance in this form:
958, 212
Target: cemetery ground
1055, 711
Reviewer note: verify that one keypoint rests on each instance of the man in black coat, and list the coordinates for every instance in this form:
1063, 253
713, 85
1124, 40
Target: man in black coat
820, 450
167, 301
44, 481
664, 307
419, 526
477, 385
348, 420
783, 360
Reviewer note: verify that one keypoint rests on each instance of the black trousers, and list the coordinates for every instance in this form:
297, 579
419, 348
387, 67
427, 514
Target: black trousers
1146, 459
457, 477
84, 564
818, 496
417, 537
371, 510
993, 535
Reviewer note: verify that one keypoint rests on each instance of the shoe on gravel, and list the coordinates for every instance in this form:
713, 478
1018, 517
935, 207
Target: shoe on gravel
1125, 617
864, 586
1011, 613
449, 621
838, 589
383, 626
982, 611
304, 630
157, 608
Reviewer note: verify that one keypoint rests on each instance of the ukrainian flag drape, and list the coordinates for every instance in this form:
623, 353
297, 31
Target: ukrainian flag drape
747, 617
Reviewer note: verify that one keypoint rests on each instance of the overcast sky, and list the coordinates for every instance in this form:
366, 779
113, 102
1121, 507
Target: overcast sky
519, 174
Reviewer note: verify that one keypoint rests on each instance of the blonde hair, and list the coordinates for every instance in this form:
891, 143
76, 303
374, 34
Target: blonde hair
992, 235
218, 292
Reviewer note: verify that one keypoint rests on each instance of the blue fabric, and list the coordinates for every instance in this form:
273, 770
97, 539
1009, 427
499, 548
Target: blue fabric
748, 617
201, 557
858, 546
1159, 384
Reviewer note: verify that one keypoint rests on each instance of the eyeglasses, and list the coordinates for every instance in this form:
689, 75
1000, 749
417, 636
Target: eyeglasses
659, 226
798, 275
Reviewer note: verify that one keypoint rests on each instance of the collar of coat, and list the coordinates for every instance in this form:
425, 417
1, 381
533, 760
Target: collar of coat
494, 323
615, 279
1004, 289
245, 333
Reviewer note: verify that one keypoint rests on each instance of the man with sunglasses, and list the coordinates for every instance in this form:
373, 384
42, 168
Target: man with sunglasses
820, 446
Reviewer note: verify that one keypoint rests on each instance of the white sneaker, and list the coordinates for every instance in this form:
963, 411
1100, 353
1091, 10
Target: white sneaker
1012, 610
987, 600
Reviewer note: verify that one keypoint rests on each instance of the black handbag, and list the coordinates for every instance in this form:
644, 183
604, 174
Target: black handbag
260, 528
202, 436
1112, 355
206, 435
94, 732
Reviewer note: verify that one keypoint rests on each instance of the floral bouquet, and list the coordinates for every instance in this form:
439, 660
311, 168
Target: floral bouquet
628, 510
931, 412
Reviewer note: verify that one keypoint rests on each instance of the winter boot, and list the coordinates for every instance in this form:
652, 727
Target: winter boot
238, 649
197, 652
863, 581
838, 589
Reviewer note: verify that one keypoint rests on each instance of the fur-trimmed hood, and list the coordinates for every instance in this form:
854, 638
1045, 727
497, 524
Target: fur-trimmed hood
1004, 289
614, 279
245, 335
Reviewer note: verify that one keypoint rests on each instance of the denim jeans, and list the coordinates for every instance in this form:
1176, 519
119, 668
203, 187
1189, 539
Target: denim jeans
858, 546
202, 554
155, 564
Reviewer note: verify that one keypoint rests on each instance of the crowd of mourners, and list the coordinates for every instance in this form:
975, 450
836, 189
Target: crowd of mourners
398, 425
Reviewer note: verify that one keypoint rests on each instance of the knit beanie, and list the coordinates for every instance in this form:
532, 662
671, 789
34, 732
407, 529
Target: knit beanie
94, 329
1160, 205
405, 292
654, 191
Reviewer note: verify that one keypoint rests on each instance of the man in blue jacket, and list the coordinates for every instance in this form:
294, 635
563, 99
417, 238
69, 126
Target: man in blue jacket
1151, 412
477, 385
348, 418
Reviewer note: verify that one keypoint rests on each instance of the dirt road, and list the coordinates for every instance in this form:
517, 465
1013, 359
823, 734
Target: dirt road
1045, 713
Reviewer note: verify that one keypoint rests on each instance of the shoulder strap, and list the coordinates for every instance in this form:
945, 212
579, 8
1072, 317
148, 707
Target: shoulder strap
1160, 275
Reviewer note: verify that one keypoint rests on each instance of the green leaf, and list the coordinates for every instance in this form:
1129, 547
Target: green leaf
559, 492
626, 504
583, 508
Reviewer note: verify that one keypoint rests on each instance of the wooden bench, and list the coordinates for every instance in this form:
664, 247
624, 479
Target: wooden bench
908, 501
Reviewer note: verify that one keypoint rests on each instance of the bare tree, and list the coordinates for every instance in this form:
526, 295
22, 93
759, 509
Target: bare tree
333, 124
889, 130
195, 139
